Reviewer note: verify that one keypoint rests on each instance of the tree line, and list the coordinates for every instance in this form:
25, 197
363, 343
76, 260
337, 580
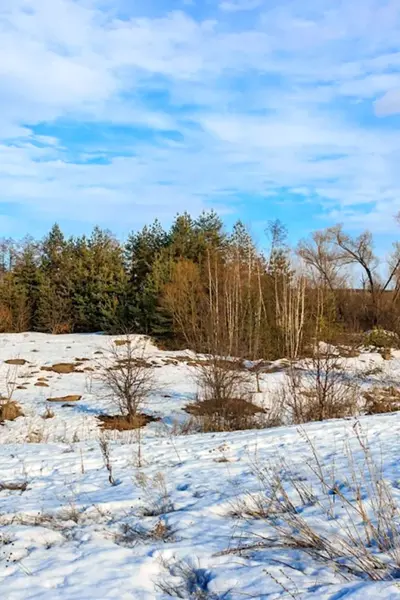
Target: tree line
200, 286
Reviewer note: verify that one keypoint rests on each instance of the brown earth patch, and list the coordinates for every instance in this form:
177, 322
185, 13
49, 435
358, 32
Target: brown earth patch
16, 361
125, 423
70, 398
61, 368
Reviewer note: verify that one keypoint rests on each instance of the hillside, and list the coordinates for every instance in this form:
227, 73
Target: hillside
154, 513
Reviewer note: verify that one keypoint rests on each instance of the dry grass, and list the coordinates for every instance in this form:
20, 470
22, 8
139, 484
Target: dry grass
48, 414
125, 423
130, 536
121, 342
157, 499
70, 398
9, 410
14, 486
382, 400
41, 384
188, 581
357, 531
234, 414
105, 452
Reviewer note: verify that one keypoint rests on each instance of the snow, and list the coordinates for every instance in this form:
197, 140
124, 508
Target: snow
72, 536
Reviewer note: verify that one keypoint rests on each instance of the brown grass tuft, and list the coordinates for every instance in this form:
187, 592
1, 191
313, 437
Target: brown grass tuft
9, 411
121, 342
382, 400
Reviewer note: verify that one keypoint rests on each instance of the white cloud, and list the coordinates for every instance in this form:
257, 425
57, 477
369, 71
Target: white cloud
253, 108
389, 104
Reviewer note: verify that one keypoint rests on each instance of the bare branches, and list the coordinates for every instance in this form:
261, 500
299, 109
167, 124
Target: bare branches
127, 376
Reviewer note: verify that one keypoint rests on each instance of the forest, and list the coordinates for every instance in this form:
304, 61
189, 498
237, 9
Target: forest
200, 286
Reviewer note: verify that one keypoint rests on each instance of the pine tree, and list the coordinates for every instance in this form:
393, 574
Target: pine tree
99, 282
54, 310
141, 251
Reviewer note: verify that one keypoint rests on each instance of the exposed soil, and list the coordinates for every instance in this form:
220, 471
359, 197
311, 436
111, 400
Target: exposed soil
124, 423
62, 368
70, 398
16, 361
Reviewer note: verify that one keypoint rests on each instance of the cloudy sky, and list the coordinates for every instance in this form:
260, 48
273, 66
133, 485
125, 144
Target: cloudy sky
117, 111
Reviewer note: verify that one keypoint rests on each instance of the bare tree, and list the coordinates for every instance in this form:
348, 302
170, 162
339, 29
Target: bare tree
320, 254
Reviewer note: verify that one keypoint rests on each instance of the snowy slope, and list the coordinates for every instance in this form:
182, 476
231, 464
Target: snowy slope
70, 535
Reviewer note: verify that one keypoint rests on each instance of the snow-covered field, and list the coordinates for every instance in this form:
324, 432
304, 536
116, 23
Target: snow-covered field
170, 523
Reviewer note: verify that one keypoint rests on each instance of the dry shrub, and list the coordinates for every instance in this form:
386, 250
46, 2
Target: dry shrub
156, 495
382, 400
132, 535
320, 391
187, 580
70, 398
233, 415
127, 376
9, 410
48, 414
224, 396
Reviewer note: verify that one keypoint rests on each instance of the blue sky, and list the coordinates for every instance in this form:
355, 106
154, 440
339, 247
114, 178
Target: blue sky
113, 112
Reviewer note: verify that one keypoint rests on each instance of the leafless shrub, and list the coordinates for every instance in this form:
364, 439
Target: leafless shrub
156, 495
128, 378
105, 452
320, 391
11, 376
220, 380
188, 581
